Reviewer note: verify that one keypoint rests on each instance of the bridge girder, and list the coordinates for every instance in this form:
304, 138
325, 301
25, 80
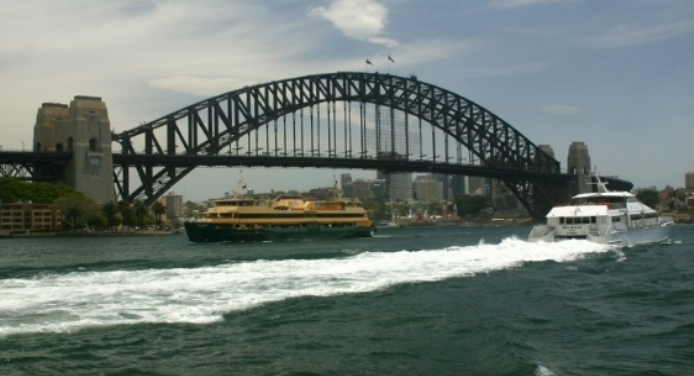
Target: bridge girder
206, 128
27, 165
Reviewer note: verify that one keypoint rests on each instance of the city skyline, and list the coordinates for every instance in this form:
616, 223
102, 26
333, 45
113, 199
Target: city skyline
616, 75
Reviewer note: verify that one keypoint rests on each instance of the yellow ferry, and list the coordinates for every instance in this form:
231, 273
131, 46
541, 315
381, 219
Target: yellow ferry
284, 218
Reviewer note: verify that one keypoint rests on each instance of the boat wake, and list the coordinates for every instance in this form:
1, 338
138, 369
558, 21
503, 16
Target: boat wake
57, 303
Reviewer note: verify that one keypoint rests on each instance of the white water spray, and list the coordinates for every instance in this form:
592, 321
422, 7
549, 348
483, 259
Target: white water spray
202, 295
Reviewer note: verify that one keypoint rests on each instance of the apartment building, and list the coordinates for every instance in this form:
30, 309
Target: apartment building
26, 216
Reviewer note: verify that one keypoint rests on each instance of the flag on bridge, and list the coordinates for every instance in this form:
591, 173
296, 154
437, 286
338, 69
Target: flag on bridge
391, 59
368, 62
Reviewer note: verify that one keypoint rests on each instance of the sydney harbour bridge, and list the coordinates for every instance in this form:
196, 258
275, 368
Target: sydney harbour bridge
343, 120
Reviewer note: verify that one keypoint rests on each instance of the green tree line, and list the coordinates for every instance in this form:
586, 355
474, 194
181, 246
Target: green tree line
79, 211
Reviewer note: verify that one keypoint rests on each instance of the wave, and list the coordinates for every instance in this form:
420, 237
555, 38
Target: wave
58, 303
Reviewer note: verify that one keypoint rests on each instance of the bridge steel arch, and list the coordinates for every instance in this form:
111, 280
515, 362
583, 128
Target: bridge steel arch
202, 131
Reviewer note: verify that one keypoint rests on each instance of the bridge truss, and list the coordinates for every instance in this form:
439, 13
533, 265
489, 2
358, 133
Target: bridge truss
27, 165
327, 120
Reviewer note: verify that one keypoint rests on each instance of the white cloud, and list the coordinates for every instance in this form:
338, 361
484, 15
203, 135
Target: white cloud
359, 19
560, 109
624, 36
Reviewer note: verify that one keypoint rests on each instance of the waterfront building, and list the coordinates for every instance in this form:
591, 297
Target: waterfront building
26, 216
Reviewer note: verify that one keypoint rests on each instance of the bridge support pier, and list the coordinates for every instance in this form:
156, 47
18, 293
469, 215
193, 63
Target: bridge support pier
82, 128
578, 164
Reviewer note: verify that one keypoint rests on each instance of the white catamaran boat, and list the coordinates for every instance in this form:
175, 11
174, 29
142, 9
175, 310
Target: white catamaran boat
604, 217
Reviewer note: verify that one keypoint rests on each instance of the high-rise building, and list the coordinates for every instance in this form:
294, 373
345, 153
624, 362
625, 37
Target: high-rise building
476, 185
346, 185
344, 180
457, 186
689, 180
428, 189
445, 185
398, 185
390, 140
379, 189
174, 205
364, 189
361, 189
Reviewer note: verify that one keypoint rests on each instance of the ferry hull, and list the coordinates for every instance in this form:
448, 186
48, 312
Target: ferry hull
206, 233
626, 237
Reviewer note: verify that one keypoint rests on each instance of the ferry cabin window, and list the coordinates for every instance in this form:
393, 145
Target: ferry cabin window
576, 220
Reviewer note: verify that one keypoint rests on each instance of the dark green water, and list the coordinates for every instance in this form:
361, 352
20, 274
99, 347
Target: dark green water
411, 301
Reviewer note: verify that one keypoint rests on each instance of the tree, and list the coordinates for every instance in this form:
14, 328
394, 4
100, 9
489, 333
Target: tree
14, 190
193, 209
126, 213
140, 211
110, 211
471, 204
96, 221
649, 197
158, 209
77, 210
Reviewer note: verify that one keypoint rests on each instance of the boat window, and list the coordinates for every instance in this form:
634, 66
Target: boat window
593, 220
561, 220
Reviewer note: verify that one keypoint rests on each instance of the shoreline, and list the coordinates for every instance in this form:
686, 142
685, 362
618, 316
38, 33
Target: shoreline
68, 234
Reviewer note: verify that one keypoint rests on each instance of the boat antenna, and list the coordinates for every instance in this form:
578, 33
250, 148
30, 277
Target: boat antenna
241, 185
602, 186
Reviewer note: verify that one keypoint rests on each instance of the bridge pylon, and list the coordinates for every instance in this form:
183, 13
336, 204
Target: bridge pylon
83, 129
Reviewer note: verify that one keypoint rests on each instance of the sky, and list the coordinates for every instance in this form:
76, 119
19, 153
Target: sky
617, 75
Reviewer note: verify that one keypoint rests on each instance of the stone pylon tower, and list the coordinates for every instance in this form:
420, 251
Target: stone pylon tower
578, 164
84, 129
547, 149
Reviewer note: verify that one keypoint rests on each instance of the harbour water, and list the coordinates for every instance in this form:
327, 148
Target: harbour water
410, 301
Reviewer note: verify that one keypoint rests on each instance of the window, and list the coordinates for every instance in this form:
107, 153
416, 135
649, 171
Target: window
92, 144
